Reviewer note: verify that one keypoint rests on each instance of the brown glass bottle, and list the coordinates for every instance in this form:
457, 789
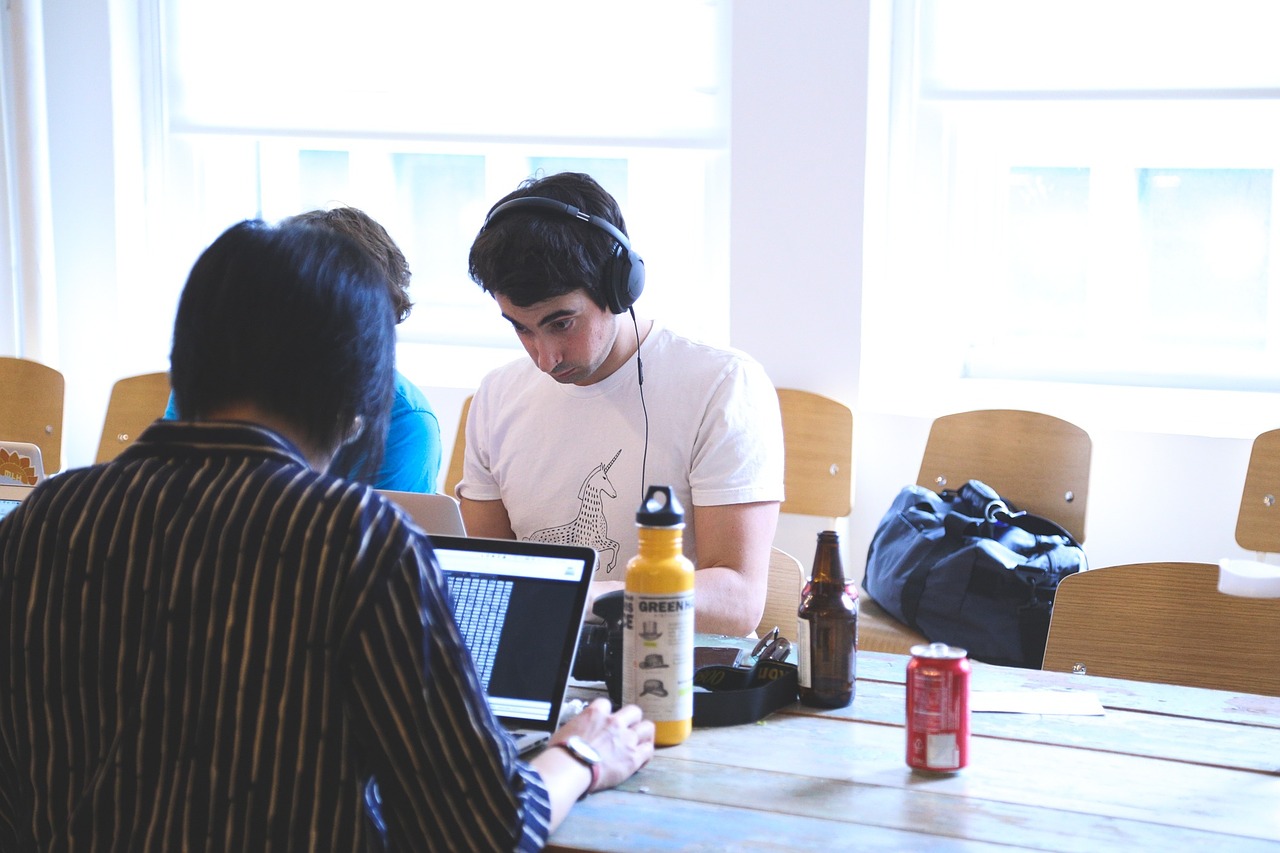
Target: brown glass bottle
827, 630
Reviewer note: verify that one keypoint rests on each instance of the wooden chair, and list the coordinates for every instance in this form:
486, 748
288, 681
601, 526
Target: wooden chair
817, 437
817, 434
1037, 461
782, 600
454, 475
1258, 522
34, 400
136, 401
1165, 622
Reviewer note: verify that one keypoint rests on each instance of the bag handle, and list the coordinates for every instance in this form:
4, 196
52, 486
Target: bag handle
995, 509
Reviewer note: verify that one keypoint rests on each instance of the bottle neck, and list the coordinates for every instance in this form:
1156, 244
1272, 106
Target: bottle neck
660, 542
827, 566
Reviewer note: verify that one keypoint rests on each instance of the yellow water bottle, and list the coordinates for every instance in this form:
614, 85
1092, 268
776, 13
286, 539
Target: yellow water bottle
657, 620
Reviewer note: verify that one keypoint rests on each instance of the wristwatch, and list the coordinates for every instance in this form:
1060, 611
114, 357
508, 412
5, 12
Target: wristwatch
587, 755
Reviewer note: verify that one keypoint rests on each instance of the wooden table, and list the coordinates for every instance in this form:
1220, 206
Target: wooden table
1165, 768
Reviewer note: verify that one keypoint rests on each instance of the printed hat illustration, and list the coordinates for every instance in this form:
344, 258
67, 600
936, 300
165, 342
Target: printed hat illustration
649, 631
653, 661
653, 687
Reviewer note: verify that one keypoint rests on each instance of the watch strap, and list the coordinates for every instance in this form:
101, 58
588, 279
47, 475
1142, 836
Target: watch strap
593, 766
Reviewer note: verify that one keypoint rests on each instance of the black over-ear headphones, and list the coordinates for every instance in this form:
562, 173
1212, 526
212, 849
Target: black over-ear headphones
623, 278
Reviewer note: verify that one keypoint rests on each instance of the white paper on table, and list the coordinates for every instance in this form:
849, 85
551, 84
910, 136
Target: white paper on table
1036, 702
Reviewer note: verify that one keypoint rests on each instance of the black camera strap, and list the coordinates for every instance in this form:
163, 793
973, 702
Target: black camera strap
739, 696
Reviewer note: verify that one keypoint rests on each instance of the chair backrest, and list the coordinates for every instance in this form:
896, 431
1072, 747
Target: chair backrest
817, 436
1037, 461
1258, 522
782, 599
135, 402
34, 395
1165, 622
454, 475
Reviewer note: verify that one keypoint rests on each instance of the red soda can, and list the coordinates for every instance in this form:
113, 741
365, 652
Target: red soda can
938, 708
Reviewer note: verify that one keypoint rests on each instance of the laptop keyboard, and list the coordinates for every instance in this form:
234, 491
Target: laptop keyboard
479, 608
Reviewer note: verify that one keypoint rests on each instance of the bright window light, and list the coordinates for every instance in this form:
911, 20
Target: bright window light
424, 115
1082, 195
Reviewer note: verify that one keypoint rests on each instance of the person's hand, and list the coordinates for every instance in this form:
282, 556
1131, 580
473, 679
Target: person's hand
623, 738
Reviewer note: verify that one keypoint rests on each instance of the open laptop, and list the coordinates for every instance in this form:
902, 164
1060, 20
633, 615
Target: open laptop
519, 606
434, 513
11, 495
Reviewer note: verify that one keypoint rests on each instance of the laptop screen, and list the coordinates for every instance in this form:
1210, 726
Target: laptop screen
7, 506
10, 496
519, 607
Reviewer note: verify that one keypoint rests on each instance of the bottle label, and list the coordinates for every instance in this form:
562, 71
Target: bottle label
804, 653
657, 647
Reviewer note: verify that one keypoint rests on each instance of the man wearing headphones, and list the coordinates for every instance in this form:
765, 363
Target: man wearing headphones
560, 446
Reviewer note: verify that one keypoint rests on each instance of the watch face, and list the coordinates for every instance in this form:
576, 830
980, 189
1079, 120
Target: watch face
582, 749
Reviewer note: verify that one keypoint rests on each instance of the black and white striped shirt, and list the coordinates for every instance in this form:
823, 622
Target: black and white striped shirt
206, 645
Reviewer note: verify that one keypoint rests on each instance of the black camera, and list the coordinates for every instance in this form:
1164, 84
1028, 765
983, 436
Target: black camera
599, 655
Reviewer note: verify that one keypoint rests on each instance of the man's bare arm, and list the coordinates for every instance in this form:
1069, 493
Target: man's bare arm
486, 518
733, 565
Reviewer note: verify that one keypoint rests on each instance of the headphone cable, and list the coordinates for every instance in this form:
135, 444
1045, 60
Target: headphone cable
644, 463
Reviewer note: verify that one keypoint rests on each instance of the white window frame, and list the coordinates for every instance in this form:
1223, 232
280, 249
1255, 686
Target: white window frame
913, 358
676, 215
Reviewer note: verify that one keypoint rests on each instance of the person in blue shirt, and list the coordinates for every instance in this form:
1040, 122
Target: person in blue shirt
410, 460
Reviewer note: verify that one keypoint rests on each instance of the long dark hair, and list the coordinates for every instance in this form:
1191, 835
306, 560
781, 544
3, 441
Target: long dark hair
295, 318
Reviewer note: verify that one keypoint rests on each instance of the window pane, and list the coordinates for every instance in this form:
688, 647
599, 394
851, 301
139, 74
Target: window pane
1097, 45
1048, 240
431, 113
1207, 234
322, 177
610, 172
640, 69
1080, 196
440, 203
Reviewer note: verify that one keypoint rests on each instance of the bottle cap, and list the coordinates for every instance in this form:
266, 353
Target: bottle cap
661, 508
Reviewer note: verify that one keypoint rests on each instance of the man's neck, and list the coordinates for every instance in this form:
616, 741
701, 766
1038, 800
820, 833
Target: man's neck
627, 342
248, 412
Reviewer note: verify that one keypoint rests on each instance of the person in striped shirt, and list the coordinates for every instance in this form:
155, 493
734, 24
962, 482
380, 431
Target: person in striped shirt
209, 643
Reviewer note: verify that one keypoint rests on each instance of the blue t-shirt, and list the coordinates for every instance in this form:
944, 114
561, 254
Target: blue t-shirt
411, 460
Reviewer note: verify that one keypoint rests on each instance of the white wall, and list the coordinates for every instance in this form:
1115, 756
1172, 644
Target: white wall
799, 110
799, 173
91, 321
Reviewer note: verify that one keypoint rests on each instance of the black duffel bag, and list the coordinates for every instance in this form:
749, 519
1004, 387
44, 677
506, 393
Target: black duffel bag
967, 569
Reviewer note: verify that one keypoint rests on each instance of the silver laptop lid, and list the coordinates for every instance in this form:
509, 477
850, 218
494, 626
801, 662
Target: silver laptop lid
434, 513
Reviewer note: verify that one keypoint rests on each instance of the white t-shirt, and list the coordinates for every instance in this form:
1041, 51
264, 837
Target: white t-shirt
566, 460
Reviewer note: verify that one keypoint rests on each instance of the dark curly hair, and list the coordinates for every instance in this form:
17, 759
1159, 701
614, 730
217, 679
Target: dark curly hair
375, 240
530, 255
